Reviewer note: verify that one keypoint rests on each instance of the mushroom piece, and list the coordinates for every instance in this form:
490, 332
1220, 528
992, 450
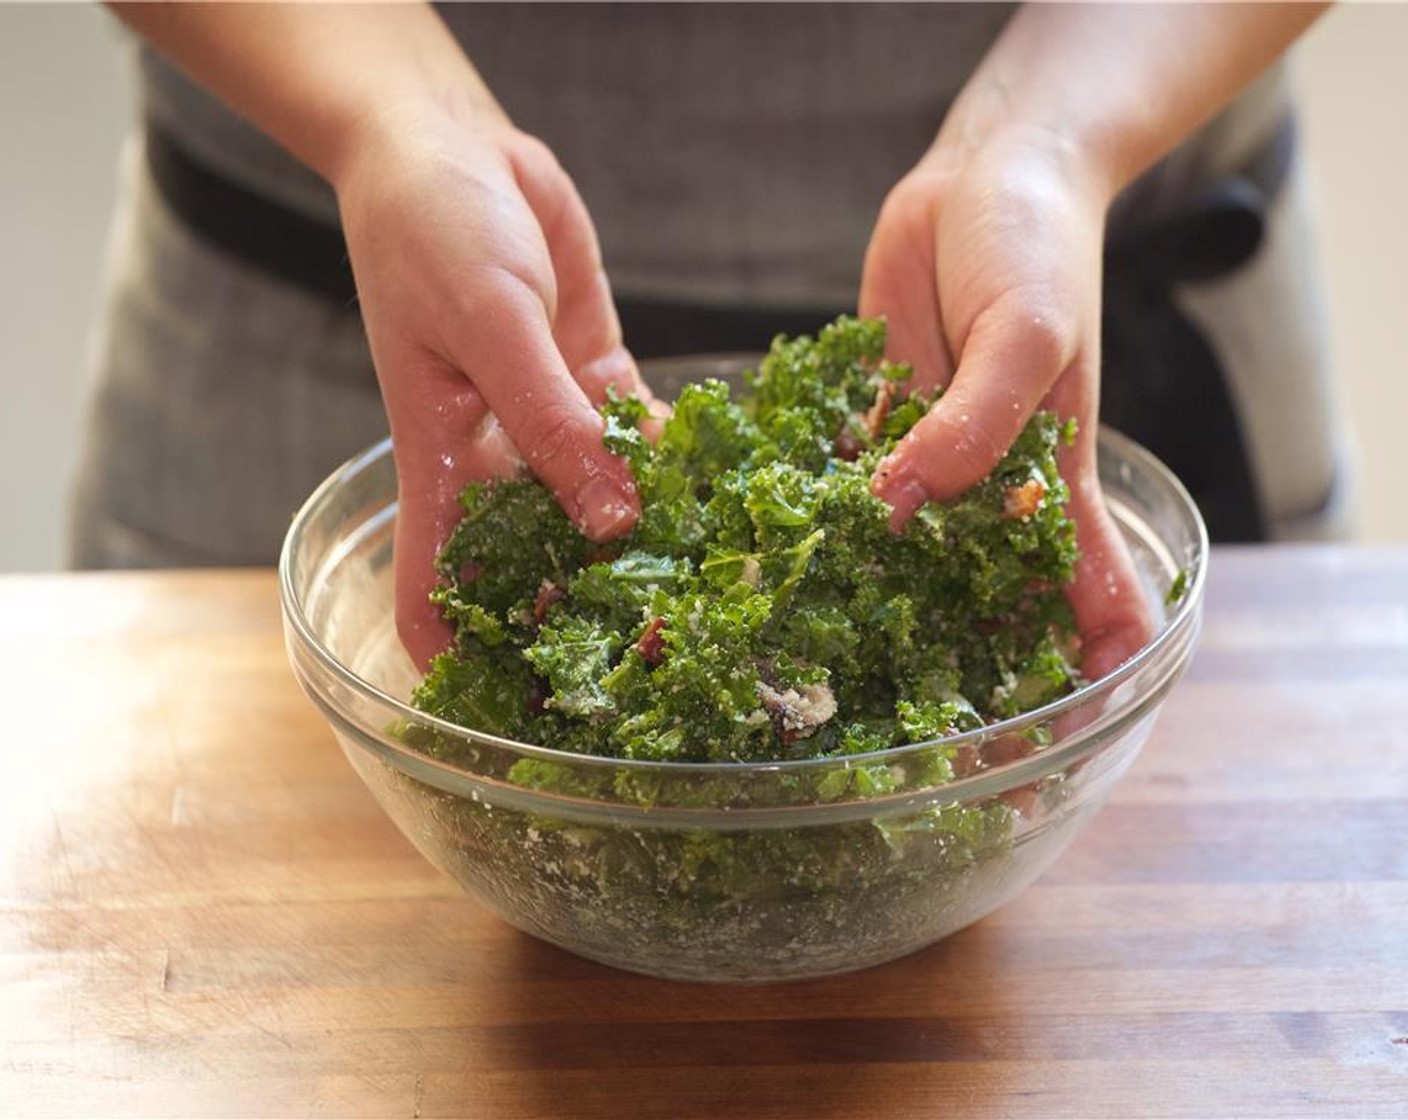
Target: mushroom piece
797, 713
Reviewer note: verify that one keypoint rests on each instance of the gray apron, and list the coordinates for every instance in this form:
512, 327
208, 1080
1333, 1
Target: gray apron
731, 157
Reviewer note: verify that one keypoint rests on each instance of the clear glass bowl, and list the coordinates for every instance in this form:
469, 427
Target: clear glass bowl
728, 871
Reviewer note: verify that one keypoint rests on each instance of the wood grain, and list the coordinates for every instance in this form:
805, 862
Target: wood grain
202, 913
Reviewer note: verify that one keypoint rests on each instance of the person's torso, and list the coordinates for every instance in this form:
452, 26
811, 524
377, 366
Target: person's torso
727, 152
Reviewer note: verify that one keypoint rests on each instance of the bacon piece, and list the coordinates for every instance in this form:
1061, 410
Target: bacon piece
966, 760
1024, 500
846, 446
880, 410
1006, 748
537, 696
651, 645
1023, 799
548, 594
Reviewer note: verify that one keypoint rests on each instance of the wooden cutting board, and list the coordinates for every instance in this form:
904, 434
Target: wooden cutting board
202, 912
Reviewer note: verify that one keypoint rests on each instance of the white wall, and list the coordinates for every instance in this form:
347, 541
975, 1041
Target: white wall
1355, 83
66, 97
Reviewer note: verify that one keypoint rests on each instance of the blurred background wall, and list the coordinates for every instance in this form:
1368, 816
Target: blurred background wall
66, 97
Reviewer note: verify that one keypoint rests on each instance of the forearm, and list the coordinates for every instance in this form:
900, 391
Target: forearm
317, 78
1118, 85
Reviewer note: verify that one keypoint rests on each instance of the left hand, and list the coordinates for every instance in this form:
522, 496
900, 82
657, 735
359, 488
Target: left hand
986, 260
492, 328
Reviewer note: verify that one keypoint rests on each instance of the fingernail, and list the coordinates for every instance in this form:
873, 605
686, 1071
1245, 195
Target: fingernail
602, 510
901, 491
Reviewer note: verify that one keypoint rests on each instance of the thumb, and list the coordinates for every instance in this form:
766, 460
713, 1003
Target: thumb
1008, 364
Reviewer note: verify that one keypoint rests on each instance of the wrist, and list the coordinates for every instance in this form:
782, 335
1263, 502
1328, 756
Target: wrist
426, 86
1108, 90
462, 115
1082, 171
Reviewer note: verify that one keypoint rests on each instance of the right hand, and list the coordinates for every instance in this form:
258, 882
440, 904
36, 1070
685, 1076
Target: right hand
492, 329
986, 261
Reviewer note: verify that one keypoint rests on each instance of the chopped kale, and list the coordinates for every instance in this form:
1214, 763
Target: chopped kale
1177, 589
762, 609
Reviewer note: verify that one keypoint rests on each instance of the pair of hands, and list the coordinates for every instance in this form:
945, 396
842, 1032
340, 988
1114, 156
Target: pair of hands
495, 337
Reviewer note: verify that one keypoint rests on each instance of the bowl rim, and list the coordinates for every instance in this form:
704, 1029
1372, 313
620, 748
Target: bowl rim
1180, 620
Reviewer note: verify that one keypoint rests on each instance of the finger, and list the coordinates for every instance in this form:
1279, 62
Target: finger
507, 350
584, 322
438, 450
1112, 611
619, 371
898, 282
1009, 362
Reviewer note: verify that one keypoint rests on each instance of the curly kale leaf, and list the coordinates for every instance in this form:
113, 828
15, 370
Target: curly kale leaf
513, 536
762, 609
573, 657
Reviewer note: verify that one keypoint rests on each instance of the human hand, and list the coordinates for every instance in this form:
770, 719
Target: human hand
986, 261
492, 329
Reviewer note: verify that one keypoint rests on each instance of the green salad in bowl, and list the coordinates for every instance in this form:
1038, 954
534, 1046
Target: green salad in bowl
762, 736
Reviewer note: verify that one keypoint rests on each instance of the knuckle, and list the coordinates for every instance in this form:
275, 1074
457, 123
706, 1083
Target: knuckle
513, 280
911, 199
1035, 328
548, 436
493, 301
1046, 336
530, 147
980, 442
